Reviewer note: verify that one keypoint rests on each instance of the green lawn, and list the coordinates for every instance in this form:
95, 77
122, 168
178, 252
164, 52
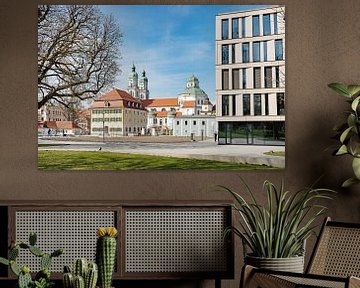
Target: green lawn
275, 153
97, 160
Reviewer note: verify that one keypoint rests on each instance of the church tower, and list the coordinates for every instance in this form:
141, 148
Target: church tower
144, 86
133, 87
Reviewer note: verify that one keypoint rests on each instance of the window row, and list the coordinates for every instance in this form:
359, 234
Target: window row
194, 122
262, 77
257, 55
239, 27
252, 104
106, 111
112, 119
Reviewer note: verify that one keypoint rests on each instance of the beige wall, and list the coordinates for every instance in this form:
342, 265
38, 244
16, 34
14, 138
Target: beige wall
323, 40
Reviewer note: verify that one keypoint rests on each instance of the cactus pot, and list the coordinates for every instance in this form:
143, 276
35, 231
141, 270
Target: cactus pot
291, 264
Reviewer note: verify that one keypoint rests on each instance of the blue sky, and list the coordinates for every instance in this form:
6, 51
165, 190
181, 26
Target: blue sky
171, 42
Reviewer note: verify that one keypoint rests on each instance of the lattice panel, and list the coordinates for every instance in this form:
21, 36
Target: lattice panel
339, 252
75, 231
175, 241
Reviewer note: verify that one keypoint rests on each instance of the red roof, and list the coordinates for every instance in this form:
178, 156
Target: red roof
160, 102
117, 98
60, 125
189, 104
164, 114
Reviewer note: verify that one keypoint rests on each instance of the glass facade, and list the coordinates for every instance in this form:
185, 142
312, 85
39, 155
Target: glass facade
245, 52
236, 79
257, 77
225, 79
235, 28
225, 105
268, 77
275, 23
277, 75
234, 105
265, 56
256, 51
224, 29
280, 101
257, 133
246, 104
255, 26
279, 49
243, 27
233, 54
225, 54
243, 78
266, 24
257, 104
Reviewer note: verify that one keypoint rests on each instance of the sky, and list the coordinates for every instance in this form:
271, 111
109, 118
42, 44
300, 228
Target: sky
171, 43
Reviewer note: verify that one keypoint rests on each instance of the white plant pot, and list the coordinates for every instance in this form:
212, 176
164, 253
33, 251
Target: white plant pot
291, 264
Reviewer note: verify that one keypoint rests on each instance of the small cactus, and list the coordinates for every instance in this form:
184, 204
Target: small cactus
32, 239
83, 274
45, 261
106, 254
24, 280
79, 282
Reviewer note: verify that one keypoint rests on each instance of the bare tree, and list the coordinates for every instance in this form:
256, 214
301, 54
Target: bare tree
78, 49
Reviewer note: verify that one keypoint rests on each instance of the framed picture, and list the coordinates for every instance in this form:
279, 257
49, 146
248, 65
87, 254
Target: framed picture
148, 87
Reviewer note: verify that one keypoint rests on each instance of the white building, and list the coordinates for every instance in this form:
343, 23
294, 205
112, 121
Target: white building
198, 125
250, 76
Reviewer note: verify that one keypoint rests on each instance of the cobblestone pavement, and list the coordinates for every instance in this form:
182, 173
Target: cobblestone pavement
182, 147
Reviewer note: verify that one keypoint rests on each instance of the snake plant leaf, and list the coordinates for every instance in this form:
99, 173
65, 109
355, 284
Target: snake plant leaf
356, 167
349, 182
340, 88
342, 150
355, 103
4, 261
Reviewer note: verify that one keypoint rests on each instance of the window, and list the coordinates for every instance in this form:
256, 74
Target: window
266, 104
246, 104
243, 27
177, 122
194, 122
280, 101
203, 123
245, 52
256, 51
277, 75
235, 79
275, 24
235, 28
185, 122
244, 78
265, 50
255, 26
268, 77
257, 77
233, 54
278, 49
257, 104
225, 54
224, 29
233, 105
225, 105
225, 79
266, 24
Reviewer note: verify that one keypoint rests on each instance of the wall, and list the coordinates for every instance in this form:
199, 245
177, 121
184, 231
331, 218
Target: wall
322, 46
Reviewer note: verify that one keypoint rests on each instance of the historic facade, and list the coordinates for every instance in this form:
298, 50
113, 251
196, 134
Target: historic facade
138, 88
117, 113
250, 76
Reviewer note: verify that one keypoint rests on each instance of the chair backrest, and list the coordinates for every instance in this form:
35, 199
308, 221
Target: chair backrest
337, 251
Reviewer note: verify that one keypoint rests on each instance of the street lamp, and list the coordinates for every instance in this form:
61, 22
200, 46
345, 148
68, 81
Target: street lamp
106, 104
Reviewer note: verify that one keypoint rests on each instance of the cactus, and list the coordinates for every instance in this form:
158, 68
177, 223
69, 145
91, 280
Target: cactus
88, 273
105, 255
79, 282
24, 280
91, 276
42, 278
80, 267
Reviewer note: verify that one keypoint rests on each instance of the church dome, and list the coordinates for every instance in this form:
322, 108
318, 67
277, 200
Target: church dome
133, 72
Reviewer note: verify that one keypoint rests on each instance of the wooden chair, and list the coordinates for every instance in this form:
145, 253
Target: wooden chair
334, 263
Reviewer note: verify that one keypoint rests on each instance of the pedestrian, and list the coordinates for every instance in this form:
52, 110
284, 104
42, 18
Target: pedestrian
215, 136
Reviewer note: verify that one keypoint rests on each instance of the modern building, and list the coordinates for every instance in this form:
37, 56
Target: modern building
138, 88
250, 76
117, 113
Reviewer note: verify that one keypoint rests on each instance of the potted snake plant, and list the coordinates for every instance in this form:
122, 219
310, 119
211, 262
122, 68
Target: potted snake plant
348, 132
274, 234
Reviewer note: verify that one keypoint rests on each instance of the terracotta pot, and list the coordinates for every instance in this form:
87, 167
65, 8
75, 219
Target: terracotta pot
291, 264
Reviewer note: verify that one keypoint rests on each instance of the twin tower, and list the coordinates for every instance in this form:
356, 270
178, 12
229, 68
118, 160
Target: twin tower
138, 88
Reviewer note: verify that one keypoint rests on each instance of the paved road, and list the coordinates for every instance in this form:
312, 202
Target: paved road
208, 149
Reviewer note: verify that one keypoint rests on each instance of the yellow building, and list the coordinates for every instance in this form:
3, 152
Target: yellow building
117, 113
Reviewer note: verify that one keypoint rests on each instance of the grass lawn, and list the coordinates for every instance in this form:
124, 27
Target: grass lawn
96, 160
275, 153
